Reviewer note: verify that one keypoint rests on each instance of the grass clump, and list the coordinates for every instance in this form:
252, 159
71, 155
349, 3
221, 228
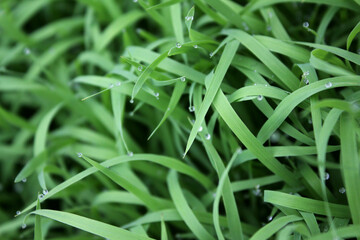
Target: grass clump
179, 119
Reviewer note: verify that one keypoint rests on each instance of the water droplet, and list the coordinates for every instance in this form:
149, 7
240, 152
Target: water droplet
111, 85
18, 212
211, 54
189, 18
183, 79
156, 95
130, 154
131, 101
328, 85
275, 137
257, 190
135, 1
45, 191
200, 129
306, 73
196, 46
24, 180
306, 81
118, 84
27, 51
260, 97
79, 154
41, 196
140, 68
342, 190
269, 218
207, 136
239, 150
306, 24
192, 109
178, 45
168, 109
327, 176
23, 226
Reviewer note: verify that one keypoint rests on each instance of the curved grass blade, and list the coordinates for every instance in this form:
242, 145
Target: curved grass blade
89, 225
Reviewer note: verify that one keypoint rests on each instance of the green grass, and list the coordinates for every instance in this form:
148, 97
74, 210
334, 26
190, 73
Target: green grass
177, 119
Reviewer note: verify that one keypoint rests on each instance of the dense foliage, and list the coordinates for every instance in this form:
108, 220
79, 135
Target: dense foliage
178, 119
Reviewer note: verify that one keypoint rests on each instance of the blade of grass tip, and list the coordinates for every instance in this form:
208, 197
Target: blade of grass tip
189, 19
350, 164
118, 107
328, 16
146, 73
224, 63
149, 201
175, 97
163, 229
184, 210
37, 231
40, 138
89, 225
115, 28
271, 228
352, 35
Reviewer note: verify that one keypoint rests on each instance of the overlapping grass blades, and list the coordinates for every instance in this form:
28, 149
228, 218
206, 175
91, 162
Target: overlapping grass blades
177, 119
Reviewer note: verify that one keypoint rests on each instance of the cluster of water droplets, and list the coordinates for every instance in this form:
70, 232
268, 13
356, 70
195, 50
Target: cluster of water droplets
42, 195
304, 76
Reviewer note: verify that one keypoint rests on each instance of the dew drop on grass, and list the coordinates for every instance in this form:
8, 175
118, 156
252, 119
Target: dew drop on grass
45, 191
189, 18
24, 180
211, 54
130, 154
79, 154
268, 28
196, 46
200, 129
178, 45
23, 226
192, 109
306, 81
18, 212
41, 196
306, 24
135, 1
208, 136
269, 218
118, 84
275, 137
27, 51
140, 68
156, 95
131, 101
111, 85
260, 97
328, 85
257, 190
342, 190
183, 79
327, 176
